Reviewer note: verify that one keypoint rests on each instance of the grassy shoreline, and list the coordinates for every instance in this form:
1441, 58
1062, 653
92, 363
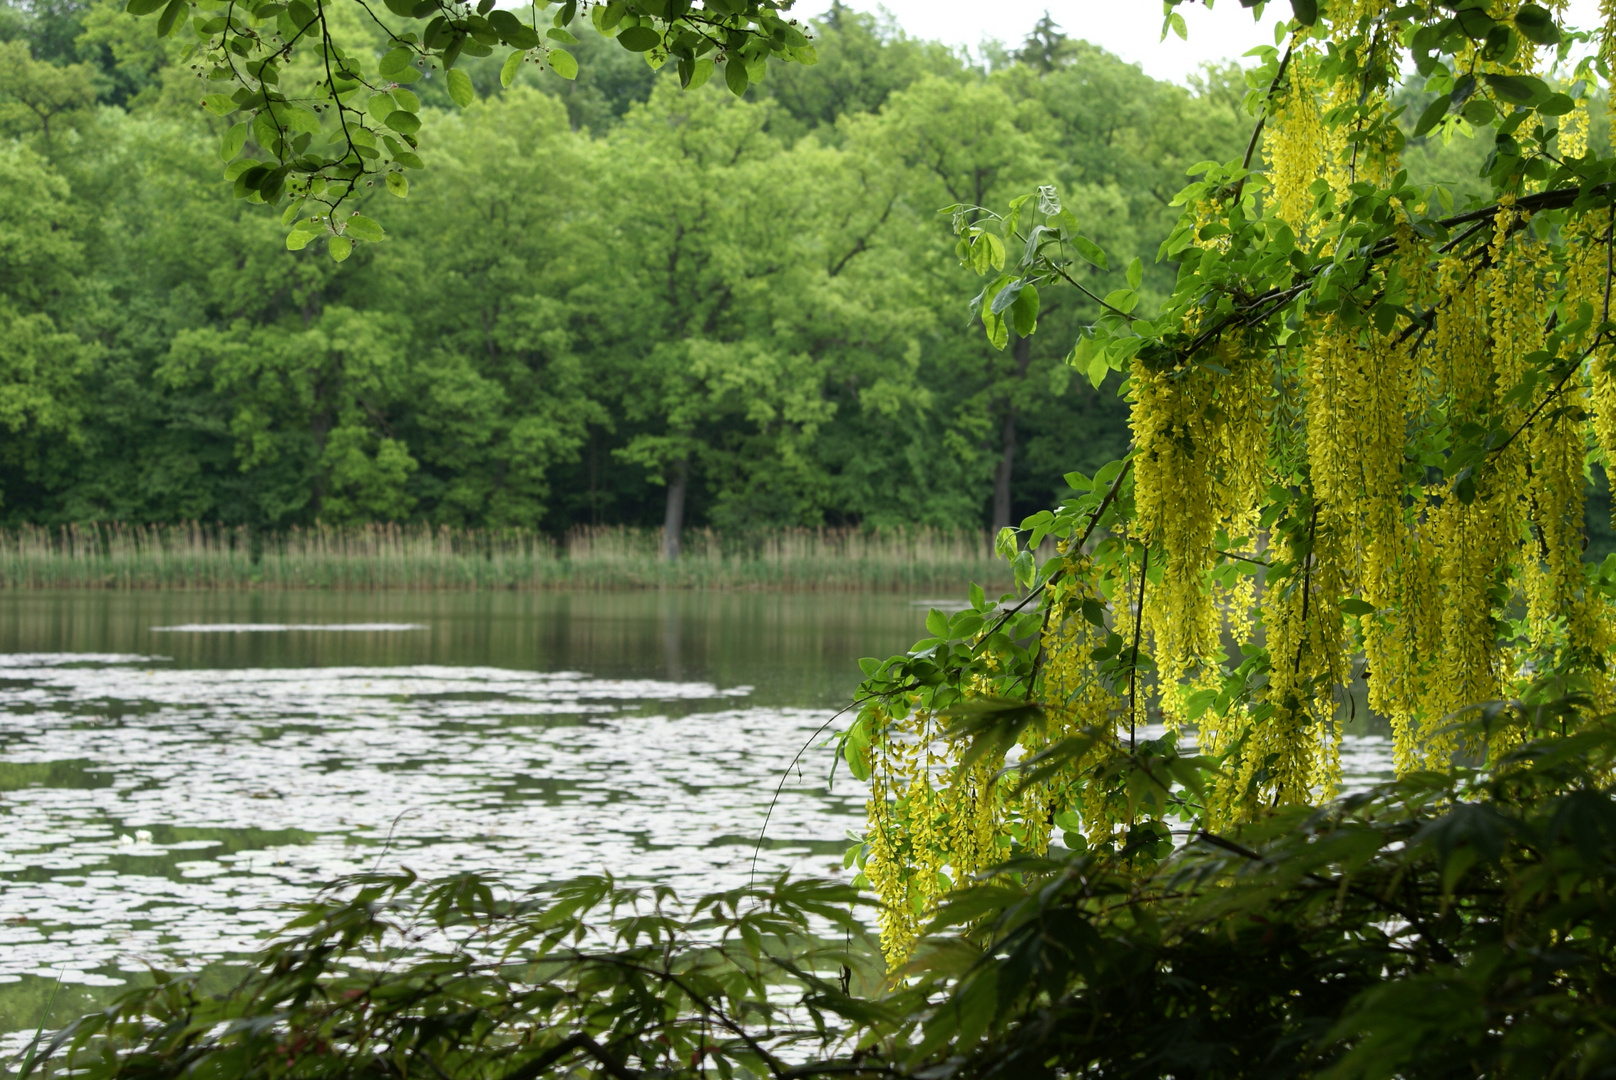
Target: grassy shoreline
422, 557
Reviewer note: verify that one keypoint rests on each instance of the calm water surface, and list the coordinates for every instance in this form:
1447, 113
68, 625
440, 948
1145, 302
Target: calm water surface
176, 767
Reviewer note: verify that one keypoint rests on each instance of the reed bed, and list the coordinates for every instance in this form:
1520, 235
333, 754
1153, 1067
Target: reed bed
192, 556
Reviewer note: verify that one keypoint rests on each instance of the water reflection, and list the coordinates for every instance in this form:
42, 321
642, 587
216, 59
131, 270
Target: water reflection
797, 649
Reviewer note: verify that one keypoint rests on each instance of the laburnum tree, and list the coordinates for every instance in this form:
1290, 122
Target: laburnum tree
1362, 424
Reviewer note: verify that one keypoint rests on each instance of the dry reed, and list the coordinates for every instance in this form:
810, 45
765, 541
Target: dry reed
196, 556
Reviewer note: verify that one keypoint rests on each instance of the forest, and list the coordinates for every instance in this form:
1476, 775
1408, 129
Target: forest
553, 334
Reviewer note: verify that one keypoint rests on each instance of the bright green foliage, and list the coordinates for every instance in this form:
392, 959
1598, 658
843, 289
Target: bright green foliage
531, 359
35, 95
299, 403
42, 365
497, 391
329, 106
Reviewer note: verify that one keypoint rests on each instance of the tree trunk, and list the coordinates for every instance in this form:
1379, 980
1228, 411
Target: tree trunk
1022, 351
1001, 472
673, 522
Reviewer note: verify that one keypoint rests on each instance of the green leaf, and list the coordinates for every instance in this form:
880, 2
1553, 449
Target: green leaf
394, 62
1006, 296
1124, 300
1099, 368
606, 17
1556, 105
233, 141
171, 14
993, 322
1024, 312
735, 77
1479, 111
460, 92
1090, 251
937, 624
1354, 606
557, 34
340, 247
700, 72
1432, 113
265, 130
994, 250
143, 7
1305, 11
405, 123
298, 118
304, 234
1136, 273
639, 38
1519, 89
364, 228
1536, 24
398, 184
219, 104
563, 64
508, 70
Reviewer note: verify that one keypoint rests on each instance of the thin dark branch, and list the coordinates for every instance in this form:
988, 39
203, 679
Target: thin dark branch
1307, 586
1085, 290
1094, 521
1138, 626
1571, 369
1412, 917
572, 1043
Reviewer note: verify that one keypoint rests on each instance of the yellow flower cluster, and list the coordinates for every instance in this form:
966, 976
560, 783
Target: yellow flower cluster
934, 819
1297, 145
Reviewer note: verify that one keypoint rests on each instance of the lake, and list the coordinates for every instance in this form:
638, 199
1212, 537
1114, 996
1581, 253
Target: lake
175, 767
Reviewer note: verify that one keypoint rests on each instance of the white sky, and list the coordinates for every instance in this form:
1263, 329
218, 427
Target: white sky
1129, 28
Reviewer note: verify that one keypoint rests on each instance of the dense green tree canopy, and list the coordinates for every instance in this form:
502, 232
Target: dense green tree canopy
594, 287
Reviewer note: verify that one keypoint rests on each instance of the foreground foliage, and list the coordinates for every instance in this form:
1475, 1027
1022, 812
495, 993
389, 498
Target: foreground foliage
327, 117
460, 981
1448, 924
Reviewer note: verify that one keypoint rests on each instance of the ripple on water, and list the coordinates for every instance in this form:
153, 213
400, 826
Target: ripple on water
256, 786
